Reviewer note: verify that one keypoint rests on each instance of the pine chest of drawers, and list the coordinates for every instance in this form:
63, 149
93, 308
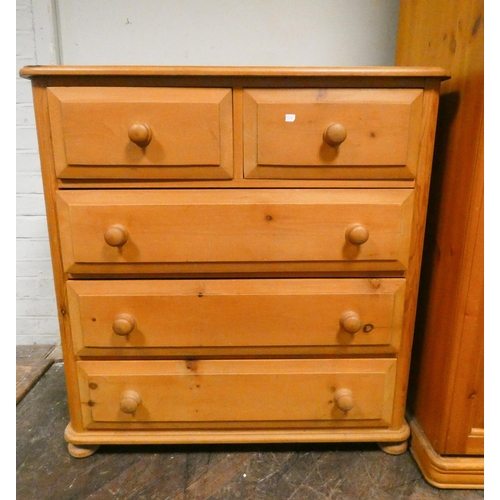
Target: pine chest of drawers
236, 251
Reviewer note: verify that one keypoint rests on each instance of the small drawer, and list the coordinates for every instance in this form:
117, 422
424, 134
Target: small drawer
229, 231
332, 133
217, 317
141, 133
226, 393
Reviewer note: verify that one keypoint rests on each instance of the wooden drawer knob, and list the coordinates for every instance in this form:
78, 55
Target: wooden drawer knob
123, 324
350, 321
140, 134
129, 401
335, 134
357, 234
116, 235
343, 399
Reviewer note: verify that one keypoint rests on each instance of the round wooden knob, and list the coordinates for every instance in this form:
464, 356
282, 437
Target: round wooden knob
335, 134
350, 321
129, 401
343, 399
116, 235
357, 234
140, 134
123, 324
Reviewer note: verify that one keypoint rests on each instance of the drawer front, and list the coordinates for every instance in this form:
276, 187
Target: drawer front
137, 315
115, 231
221, 392
137, 133
332, 133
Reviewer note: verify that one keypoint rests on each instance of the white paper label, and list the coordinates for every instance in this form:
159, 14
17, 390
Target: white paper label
290, 118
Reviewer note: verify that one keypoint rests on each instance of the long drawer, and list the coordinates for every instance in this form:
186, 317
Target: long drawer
136, 317
106, 231
323, 392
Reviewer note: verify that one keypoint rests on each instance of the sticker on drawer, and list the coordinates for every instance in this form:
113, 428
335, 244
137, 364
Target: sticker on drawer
336, 133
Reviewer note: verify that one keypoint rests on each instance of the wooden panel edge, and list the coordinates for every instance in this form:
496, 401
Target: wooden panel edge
444, 472
421, 196
225, 436
42, 118
340, 71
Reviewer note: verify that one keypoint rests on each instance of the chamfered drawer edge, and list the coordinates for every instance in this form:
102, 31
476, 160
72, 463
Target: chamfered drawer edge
147, 318
190, 230
141, 132
184, 393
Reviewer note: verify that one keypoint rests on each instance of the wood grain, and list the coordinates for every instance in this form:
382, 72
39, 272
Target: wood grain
285, 131
191, 132
246, 391
240, 226
446, 389
235, 314
200, 71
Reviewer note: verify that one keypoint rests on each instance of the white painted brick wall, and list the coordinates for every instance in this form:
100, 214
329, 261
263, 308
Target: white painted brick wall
36, 310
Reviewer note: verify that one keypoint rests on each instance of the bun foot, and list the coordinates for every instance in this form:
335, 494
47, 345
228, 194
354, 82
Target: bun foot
82, 450
394, 448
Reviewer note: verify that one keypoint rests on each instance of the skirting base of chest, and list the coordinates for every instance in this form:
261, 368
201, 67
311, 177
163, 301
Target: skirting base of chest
82, 444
